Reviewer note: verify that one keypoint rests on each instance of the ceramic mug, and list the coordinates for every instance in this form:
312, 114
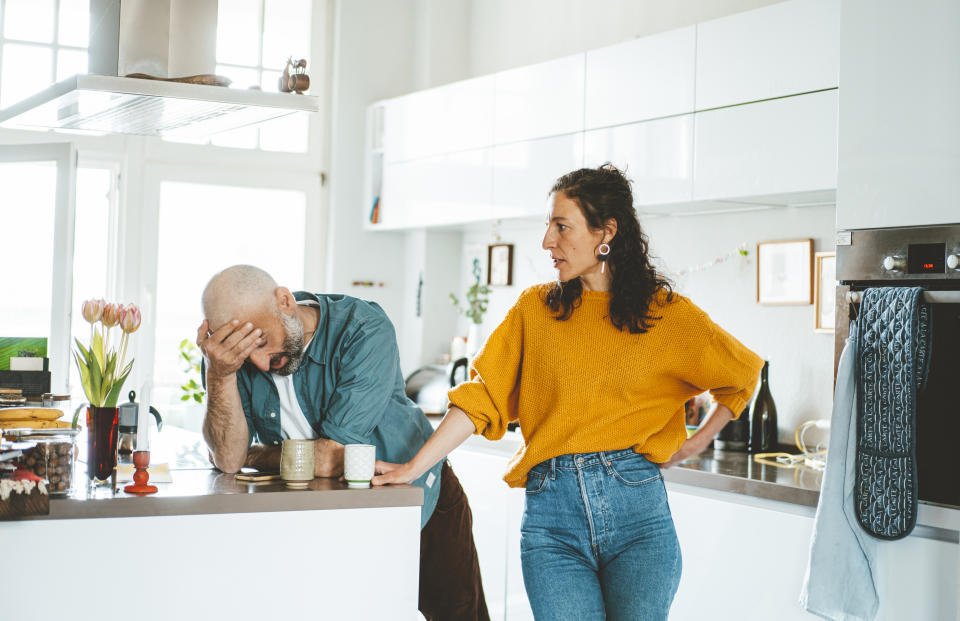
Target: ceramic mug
296, 463
358, 464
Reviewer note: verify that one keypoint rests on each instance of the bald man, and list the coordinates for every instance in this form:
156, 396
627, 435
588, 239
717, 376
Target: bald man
300, 365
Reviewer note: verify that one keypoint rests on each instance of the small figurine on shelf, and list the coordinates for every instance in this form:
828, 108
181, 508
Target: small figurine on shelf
294, 78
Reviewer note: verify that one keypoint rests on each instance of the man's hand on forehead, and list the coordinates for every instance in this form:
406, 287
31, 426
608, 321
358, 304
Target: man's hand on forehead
227, 347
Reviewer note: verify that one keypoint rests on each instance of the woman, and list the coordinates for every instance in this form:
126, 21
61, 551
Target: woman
596, 368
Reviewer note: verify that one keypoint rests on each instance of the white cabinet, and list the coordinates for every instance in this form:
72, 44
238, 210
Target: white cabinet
641, 79
524, 172
782, 49
656, 155
497, 510
438, 190
745, 558
440, 120
541, 100
781, 146
900, 131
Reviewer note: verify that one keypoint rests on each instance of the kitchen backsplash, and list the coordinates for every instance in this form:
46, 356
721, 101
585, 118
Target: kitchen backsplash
801, 361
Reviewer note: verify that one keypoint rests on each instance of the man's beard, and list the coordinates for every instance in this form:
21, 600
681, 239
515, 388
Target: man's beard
292, 345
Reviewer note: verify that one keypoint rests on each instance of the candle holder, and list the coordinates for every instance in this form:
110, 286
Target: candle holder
141, 460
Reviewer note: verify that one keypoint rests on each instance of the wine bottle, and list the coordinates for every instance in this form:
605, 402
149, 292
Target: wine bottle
763, 417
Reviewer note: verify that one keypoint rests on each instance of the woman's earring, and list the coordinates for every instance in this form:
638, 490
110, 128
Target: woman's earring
603, 250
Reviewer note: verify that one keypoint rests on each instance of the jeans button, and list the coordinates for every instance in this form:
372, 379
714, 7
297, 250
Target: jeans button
579, 461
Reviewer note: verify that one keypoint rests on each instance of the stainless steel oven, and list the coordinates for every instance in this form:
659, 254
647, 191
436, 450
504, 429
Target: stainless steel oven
929, 257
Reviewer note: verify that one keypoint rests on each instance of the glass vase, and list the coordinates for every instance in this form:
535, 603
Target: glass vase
101, 444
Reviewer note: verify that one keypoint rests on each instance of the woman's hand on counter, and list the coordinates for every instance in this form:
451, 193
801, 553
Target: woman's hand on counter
392, 474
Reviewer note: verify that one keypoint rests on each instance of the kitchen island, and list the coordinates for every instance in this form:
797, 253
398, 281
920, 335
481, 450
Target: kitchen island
209, 546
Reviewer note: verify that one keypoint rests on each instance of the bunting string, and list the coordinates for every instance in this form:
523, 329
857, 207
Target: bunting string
741, 251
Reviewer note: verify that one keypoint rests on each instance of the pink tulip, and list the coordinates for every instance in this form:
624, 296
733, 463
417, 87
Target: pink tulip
92, 310
111, 314
131, 319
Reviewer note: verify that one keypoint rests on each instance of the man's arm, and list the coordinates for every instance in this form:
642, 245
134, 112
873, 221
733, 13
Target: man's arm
328, 458
225, 426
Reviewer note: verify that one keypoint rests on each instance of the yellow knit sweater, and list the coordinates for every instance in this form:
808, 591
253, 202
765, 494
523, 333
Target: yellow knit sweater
581, 385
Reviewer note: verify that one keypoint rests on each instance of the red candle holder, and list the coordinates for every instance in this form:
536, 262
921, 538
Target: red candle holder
141, 459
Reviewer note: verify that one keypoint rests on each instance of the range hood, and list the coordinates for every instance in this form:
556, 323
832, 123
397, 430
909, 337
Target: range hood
125, 39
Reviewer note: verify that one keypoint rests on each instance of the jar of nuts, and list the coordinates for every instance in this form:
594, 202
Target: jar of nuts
52, 457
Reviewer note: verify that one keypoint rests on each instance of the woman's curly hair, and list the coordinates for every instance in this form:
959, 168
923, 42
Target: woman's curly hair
604, 193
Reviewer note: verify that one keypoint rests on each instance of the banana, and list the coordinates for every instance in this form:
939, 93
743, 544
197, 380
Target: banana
8, 414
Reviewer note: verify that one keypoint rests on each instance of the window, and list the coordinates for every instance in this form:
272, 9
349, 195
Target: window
203, 229
254, 40
41, 41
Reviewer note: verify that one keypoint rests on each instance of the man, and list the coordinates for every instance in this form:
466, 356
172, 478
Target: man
283, 365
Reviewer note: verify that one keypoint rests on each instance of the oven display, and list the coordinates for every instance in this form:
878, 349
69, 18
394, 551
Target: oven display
926, 258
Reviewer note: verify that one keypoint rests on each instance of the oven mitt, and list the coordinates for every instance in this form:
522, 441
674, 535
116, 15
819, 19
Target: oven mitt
892, 361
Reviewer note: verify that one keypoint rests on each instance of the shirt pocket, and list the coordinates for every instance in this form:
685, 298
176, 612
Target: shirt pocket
635, 470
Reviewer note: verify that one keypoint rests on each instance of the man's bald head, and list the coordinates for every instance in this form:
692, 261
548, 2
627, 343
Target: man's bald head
240, 291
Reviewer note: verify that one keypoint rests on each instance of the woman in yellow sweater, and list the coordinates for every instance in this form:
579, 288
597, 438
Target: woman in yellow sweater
596, 368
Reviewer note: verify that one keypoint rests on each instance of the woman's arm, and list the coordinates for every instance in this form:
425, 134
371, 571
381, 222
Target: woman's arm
453, 430
718, 417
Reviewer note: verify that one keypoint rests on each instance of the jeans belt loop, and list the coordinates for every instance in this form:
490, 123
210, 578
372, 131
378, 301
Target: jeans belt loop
606, 462
553, 468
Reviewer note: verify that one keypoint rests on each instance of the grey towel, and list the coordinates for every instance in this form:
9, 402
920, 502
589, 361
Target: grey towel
892, 360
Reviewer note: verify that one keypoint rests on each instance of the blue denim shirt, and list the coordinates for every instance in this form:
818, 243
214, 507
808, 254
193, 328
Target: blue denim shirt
349, 387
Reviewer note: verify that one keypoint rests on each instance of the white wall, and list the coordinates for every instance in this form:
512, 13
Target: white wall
373, 58
801, 361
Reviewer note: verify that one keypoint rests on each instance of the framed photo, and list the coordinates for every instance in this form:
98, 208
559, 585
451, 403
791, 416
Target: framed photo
785, 272
500, 265
825, 291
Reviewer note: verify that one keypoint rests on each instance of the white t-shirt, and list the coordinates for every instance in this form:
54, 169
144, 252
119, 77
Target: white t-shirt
293, 424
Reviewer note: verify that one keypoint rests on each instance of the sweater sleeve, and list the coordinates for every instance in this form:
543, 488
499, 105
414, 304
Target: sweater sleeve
489, 399
727, 368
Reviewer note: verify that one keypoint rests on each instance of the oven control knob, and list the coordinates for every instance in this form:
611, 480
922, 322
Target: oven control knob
894, 264
953, 261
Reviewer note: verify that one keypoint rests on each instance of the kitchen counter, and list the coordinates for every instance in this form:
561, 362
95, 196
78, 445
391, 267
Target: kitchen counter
207, 491
208, 546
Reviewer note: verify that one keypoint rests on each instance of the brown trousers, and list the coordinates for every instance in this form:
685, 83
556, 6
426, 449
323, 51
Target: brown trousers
450, 586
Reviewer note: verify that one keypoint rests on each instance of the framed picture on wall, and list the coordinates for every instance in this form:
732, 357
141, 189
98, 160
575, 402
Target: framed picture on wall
785, 272
825, 291
500, 265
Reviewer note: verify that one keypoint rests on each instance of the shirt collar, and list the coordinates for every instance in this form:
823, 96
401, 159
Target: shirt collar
315, 351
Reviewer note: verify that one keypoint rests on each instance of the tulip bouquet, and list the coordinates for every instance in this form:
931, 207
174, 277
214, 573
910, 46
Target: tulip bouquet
103, 367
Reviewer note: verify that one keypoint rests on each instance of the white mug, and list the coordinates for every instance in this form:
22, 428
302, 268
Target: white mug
358, 464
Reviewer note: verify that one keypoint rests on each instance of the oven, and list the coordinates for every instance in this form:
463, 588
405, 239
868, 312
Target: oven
928, 257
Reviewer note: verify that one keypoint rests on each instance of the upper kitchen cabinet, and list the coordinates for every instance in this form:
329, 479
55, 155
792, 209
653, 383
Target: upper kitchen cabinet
446, 189
899, 127
454, 117
642, 79
782, 49
778, 147
657, 155
524, 172
538, 101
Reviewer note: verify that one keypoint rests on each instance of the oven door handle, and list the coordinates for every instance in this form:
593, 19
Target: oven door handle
931, 297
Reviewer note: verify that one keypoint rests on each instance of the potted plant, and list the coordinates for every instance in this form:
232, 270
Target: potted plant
476, 305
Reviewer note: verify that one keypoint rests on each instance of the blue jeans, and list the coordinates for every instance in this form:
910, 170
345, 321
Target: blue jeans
597, 539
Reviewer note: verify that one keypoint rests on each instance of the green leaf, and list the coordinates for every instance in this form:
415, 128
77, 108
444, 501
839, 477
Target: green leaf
114, 393
96, 347
198, 397
96, 379
84, 377
184, 343
185, 398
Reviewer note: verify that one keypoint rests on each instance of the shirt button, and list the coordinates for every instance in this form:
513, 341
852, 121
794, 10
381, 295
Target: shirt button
273, 414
